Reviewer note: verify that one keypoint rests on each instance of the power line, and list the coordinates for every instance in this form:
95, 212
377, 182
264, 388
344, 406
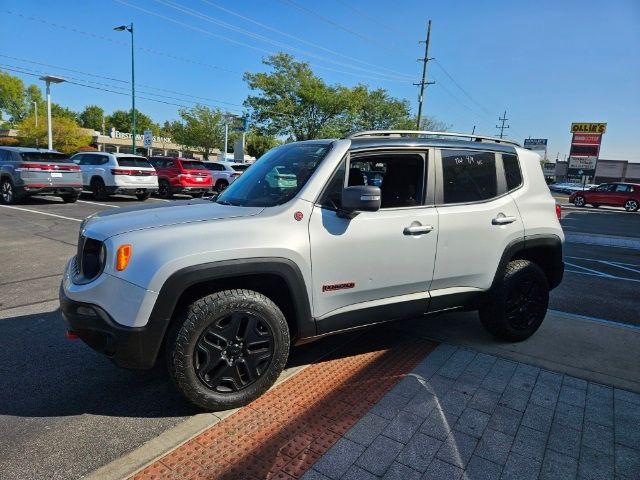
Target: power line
298, 39
126, 82
281, 45
117, 42
468, 95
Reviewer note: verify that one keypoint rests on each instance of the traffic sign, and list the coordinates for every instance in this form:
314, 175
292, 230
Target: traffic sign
148, 138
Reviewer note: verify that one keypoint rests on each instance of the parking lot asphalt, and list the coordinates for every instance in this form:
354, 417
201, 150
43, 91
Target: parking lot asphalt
65, 410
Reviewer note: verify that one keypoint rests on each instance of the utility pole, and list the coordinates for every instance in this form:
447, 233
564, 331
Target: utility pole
502, 127
35, 107
424, 81
473, 132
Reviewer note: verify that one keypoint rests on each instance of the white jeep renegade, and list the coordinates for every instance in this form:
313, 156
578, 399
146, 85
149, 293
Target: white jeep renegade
374, 227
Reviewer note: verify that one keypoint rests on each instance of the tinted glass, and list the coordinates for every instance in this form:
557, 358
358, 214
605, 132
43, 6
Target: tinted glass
45, 157
5, 155
264, 184
332, 195
214, 166
468, 176
134, 162
240, 168
191, 165
511, 171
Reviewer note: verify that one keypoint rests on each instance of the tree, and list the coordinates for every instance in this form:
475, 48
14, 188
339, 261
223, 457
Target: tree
91, 117
431, 124
63, 112
376, 110
67, 135
121, 121
202, 129
11, 97
257, 145
292, 101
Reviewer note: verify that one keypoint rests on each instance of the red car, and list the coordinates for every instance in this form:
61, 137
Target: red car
181, 175
625, 195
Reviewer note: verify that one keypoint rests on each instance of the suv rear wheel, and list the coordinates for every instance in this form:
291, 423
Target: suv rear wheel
221, 185
70, 197
228, 349
143, 196
8, 194
98, 189
518, 303
164, 189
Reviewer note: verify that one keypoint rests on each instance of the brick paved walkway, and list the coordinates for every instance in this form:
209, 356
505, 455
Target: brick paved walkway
283, 433
463, 414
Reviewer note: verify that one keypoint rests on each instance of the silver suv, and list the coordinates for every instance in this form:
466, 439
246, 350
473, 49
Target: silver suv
445, 221
31, 171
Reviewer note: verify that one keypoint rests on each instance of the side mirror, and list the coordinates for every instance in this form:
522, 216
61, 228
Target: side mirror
361, 198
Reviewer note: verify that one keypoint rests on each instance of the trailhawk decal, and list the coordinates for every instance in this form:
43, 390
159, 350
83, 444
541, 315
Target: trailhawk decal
337, 286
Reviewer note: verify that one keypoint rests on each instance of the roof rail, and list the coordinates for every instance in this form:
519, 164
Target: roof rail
420, 133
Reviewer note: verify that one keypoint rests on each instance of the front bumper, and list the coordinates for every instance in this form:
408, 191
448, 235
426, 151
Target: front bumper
127, 347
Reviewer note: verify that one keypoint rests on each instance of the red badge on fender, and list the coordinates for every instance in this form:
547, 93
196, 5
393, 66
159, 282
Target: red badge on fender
298, 216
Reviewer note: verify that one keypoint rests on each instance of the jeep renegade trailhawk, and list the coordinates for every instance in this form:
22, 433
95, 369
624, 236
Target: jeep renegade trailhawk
374, 227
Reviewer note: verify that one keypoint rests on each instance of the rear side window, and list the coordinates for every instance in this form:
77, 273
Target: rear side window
512, 171
133, 162
239, 168
623, 188
468, 176
5, 156
192, 165
45, 157
215, 166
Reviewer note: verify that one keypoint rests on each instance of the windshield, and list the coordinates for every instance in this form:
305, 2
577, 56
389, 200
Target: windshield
45, 157
277, 177
134, 162
191, 165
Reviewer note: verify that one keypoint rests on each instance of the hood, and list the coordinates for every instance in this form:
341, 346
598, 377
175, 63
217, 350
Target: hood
105, 224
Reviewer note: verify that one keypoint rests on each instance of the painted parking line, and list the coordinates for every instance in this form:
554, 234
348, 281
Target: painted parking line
96, 203
588, 318
602, 261
41, 213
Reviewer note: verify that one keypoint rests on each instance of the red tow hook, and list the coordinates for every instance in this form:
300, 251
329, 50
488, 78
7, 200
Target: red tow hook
71, 335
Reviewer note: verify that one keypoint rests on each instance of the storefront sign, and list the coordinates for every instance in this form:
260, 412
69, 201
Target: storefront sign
535, 143
588, 127
113, 133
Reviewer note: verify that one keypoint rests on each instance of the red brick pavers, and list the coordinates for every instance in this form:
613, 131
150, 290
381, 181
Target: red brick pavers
284, 432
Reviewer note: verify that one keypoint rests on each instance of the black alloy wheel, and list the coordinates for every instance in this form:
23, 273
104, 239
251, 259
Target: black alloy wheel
226, 349
6, 190
516, 305
234, 352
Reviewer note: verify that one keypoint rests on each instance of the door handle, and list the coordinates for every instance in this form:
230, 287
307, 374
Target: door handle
502, 220
417, 229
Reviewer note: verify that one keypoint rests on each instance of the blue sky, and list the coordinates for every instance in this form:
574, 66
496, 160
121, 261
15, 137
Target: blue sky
547, 63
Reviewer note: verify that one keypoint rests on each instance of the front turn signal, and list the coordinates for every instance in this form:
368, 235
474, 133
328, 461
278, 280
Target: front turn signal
123, 256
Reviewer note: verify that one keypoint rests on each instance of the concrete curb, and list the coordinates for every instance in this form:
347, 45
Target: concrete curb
171, 439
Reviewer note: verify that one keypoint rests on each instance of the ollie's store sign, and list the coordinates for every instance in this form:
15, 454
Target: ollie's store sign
584, 152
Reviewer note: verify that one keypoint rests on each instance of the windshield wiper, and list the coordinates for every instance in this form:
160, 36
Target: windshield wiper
224, 202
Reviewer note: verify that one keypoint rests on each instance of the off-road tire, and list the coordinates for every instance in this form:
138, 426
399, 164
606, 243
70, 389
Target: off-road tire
143, 196
579, 201
98, 189
517, 304
71, 198
189, 329
631, 205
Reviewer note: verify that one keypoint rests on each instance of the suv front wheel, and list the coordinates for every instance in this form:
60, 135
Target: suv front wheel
227, 349
518, 303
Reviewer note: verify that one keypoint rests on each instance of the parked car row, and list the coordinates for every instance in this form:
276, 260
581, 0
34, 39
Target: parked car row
570, 187
30, 171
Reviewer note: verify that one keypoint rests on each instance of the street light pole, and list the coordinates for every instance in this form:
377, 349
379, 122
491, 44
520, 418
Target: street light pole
129, 29
35, 107
49, 79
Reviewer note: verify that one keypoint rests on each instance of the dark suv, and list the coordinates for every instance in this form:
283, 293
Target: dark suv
31, 171
625, 195
181, 175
